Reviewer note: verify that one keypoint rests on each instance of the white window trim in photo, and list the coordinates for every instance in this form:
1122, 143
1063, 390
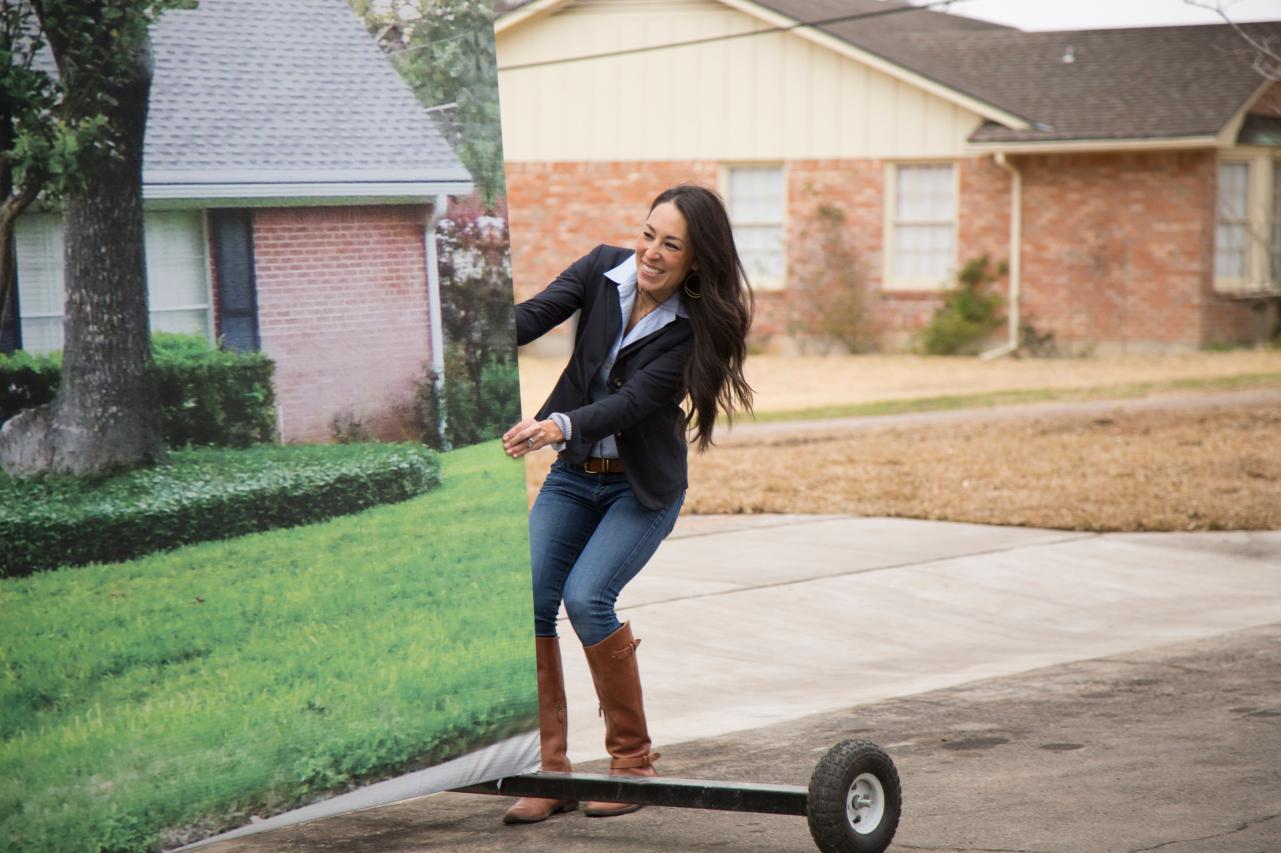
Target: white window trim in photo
764, 225
180, 292
1253, 224
943, 220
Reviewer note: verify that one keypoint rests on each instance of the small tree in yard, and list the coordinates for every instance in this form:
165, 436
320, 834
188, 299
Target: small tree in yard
79, 138
970, 311
444, 50
481, 390
832, 301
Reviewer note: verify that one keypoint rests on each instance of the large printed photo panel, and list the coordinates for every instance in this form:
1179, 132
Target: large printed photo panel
262, 557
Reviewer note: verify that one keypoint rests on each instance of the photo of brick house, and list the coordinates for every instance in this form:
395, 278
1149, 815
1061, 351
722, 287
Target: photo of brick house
291, 188
1129, 177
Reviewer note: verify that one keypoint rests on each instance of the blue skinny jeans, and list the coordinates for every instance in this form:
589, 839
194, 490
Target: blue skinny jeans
589, 536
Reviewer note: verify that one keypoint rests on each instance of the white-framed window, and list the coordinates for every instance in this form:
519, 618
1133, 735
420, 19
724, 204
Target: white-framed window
1232, 222
756, 197
1274, 242
920, 229
178, 292
1247, 222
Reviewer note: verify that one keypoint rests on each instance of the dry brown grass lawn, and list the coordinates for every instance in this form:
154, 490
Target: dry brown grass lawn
1202, 470
1160, 470
1214, 469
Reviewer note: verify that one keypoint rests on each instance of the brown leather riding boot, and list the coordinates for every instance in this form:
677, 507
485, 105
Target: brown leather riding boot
614, 671
553, 732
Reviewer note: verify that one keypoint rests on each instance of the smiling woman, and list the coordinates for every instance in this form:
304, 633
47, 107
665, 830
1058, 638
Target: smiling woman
660, 322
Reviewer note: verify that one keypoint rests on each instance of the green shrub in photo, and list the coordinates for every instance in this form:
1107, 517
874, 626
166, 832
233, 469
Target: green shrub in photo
27, 381
211, 398
203, 494
970, 311
208, 398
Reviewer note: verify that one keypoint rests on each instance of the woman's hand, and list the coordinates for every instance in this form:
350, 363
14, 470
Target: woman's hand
530, 435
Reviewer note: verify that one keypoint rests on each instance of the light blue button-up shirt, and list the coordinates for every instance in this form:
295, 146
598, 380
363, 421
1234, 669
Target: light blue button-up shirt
624, 275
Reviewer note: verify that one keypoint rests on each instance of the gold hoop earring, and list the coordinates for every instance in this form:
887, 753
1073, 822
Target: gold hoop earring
692, 294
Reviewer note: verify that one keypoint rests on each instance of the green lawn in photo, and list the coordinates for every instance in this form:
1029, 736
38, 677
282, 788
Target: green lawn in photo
153, 701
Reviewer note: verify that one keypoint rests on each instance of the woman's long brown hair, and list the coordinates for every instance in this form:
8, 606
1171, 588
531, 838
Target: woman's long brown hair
720, 316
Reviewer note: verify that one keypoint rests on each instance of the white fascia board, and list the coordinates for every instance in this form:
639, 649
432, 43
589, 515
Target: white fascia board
282, 192
1067, 146
885, 66
524, 13
1228, 136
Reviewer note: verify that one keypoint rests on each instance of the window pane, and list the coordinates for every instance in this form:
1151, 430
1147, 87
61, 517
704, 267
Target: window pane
41, 334
761, 249
923, 251
924, 193
176, 282
1229, 250
1274, 246
756, 194
757, 201
38, 241
1233, 194
175, 261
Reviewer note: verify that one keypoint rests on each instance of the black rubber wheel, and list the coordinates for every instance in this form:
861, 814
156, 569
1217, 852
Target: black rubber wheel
854, 799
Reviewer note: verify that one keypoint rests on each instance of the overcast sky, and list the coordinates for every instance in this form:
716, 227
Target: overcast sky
1094, 14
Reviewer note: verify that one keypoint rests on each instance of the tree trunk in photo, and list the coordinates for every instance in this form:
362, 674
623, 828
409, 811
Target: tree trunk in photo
105, 416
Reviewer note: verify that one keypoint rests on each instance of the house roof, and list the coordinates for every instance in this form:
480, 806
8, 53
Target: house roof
1143, 83
285, 98
1157, 83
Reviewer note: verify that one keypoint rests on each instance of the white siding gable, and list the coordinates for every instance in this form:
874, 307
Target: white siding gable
777, 96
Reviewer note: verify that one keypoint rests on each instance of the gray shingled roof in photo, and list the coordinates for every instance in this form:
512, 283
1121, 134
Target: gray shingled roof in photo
876, 17
1158, 82
284, 91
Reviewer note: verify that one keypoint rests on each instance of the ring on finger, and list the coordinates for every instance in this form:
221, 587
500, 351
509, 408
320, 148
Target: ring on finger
530, 441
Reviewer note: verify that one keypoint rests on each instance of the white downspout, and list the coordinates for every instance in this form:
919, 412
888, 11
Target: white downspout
1016, 251
438, 210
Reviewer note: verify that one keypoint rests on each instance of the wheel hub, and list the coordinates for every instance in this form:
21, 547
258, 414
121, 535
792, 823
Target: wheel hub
865, 804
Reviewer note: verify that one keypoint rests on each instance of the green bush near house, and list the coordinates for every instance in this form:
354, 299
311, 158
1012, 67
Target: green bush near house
477, 408
203, 494
211, 398
970, 311
208, 398
27, 381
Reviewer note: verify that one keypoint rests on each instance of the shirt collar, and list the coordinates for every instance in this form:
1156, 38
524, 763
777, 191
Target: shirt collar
624, 275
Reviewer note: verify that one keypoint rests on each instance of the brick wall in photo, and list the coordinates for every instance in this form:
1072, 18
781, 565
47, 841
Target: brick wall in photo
342, 309
1116, 251
1117, 248
561, 211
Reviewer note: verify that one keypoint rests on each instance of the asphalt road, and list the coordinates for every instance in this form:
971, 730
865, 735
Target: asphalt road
1176, 749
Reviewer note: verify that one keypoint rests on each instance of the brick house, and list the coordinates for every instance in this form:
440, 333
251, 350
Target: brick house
1130, 177
291, 186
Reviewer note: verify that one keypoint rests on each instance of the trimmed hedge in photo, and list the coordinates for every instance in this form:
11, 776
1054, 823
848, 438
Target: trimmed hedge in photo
203, 494
208, 398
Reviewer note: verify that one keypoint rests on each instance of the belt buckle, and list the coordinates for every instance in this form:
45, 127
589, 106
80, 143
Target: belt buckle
587, 467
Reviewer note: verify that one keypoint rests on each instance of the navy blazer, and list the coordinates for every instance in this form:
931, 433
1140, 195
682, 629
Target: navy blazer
646, 385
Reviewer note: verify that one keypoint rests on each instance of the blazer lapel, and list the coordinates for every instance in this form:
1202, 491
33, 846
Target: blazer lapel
651, 336
603, 336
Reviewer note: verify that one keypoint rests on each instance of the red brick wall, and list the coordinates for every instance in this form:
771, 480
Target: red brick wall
1117, 248
342, 309
561, 211
852, 189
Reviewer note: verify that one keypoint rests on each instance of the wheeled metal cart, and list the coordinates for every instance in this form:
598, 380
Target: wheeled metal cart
852, 804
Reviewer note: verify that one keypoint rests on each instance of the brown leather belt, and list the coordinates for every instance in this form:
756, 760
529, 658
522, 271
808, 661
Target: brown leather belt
598, 465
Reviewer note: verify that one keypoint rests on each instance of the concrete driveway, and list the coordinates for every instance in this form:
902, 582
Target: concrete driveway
985, 659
